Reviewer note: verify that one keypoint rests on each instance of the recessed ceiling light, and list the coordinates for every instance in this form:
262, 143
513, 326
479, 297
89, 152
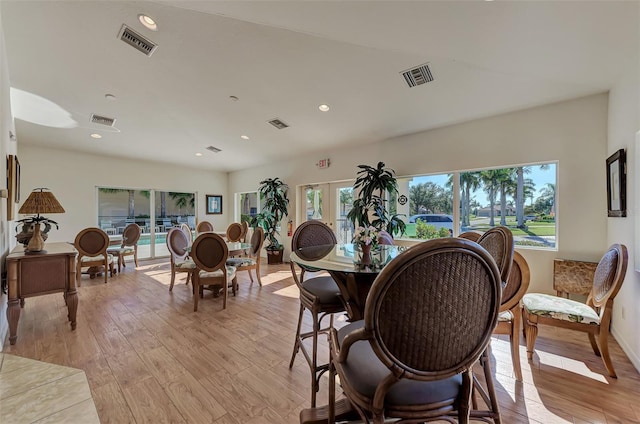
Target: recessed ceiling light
324, 108
198, 154
148, 22
95, 135
234, 98
109, 96
244, 137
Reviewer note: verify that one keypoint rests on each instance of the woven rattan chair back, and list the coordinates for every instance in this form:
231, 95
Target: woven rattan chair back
609, 275
209, 251
177, 244
234, 232
311, 233
257, 239
187, 231
470, 235
498, 241
131, 235
453, 286
517, 283
245, 231
203, 227
92, 242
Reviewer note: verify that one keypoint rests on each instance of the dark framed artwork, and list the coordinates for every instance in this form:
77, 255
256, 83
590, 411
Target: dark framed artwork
17, 170
617, 184
11, 186
214, 203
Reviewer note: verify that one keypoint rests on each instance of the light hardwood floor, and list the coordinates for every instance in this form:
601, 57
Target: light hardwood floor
150, 358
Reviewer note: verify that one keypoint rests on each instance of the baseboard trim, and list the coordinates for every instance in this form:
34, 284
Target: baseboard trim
635, 360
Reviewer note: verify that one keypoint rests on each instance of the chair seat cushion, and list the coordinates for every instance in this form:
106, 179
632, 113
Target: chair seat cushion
188, 264
364, 372
559, 308
238, 262
231, 273
121, 250
505, 316
99, 258
324, 288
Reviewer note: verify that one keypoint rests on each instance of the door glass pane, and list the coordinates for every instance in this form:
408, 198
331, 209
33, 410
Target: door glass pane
172, 209
344, 228
119, 207
313, 206
248, 206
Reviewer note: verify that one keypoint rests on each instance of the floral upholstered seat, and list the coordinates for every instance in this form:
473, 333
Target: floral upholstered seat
187, 264
560, 308
238, 262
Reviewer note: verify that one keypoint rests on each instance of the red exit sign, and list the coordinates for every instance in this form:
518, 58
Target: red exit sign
323, 163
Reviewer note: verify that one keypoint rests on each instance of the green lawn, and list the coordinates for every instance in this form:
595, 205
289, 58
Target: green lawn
534, 228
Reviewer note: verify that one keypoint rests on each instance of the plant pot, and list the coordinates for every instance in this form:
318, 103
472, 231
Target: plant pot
274, 256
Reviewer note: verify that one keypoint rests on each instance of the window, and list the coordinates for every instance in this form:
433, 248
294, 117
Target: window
248, 205
522, 198
427, 203
119, 207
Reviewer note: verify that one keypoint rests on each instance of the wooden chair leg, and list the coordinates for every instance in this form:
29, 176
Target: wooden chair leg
603, 338
514, 338
531, 328
258, 271
465, 396
314, 360
173, 277
594, 345
135, 258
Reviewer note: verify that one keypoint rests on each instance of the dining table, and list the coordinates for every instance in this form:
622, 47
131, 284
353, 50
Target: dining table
353, 270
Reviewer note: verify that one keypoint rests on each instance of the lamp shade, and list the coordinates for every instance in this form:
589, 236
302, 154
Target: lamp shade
40, 201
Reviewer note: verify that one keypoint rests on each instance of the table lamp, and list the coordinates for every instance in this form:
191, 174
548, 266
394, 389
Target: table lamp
39, 201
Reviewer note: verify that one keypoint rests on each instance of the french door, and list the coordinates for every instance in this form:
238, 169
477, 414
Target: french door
329, 203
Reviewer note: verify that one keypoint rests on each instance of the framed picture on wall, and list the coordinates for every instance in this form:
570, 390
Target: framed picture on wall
617, 184
214, 203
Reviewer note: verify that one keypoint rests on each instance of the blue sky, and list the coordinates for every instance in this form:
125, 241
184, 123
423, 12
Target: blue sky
540, 178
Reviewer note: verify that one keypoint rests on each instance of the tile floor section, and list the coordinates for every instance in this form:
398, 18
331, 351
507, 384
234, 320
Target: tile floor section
36, 392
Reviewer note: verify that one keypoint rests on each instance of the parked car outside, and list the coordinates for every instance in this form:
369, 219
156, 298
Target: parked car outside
438, 220
530, 217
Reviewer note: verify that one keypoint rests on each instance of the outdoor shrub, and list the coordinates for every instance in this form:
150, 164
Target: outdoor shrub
443, 232
426, 231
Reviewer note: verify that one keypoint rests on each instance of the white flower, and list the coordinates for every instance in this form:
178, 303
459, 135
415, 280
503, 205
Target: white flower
365, 236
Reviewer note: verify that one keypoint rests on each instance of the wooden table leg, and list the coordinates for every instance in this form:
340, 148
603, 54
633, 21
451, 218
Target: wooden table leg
71, 295
13, 305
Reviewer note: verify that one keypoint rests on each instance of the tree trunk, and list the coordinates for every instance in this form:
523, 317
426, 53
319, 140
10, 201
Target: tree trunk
503, 204
131, 205
492, 205
520, 197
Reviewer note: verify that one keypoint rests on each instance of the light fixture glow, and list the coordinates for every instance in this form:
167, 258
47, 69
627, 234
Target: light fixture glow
198, 154
324, 108
96, 135
148, 22
244, 137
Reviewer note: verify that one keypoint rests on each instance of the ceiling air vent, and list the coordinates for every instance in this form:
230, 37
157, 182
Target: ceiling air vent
418, 75
102, 120
214, 149
278, 124
136, 40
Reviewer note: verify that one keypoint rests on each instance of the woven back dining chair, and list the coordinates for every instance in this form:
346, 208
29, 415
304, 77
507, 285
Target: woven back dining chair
319, 295
210, 253
428, 318
592, 317
203, 227
251, 262
498, 241
177, 244
234, 231
91, 244
128, 247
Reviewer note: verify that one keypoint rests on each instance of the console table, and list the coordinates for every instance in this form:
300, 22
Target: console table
34, 274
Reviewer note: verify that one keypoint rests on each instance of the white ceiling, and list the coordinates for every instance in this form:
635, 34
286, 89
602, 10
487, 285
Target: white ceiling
283, 59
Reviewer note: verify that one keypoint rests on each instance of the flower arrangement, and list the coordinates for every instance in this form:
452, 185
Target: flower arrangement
366, 236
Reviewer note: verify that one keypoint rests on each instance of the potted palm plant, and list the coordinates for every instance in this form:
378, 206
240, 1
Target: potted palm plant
369, 208
273, 192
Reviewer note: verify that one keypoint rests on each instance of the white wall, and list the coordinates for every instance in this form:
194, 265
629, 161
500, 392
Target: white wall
624, 122
73, 178
574, 133
7, 146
